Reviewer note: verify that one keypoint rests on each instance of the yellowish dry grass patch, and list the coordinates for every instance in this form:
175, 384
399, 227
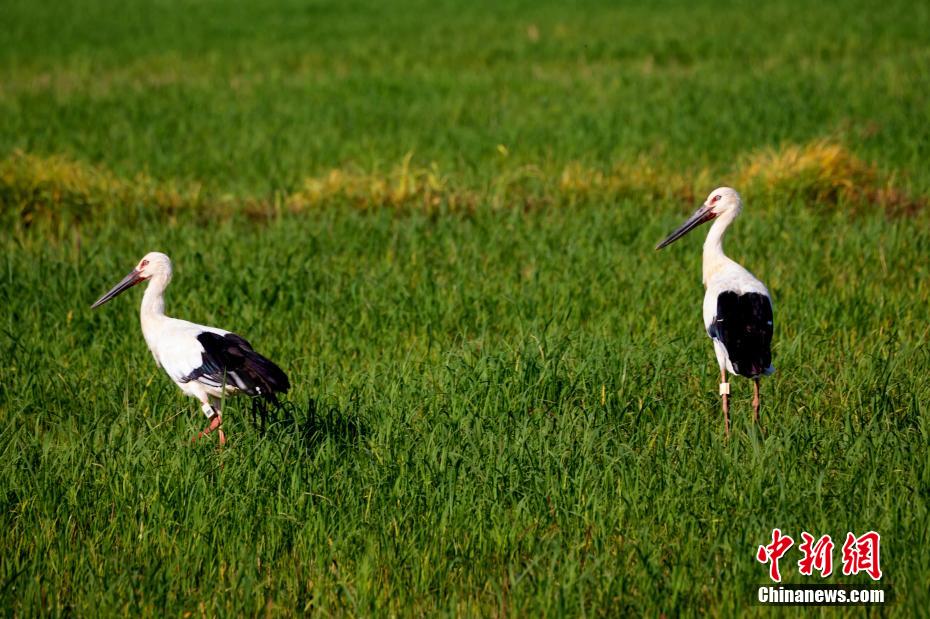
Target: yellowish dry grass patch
640, 178
823, 173
56, 189
61, 191
404, 186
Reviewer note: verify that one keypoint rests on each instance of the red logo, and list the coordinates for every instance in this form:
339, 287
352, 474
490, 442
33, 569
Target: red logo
817, 556
860, 554
773, 552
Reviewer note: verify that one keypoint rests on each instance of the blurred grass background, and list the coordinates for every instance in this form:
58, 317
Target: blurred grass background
439, 218
250, 97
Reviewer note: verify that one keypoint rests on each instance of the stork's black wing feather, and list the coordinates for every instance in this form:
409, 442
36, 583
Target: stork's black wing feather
230, 360
743, 324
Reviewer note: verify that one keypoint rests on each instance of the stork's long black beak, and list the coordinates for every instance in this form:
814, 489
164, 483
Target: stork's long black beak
703, 214
128, 282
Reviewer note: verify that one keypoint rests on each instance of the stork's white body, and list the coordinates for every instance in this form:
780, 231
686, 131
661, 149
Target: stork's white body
721, 274
175, 346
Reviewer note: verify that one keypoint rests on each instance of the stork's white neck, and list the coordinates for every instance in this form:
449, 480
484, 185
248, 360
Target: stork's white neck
152, 313
714, 258
153, 301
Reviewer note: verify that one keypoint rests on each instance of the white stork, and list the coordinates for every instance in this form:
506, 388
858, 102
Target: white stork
206, 363
737, 306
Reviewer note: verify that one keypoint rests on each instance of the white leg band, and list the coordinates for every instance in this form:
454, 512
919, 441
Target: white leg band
724, 388
208, 411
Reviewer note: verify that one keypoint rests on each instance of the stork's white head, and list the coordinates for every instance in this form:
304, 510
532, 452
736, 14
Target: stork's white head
153, 264
721, 202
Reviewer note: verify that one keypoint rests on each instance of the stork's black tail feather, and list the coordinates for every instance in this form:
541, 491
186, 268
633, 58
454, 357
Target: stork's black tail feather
230, 359
743, 324
266, 378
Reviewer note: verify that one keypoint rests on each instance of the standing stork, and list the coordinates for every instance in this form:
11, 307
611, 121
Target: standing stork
737, 306
205, 362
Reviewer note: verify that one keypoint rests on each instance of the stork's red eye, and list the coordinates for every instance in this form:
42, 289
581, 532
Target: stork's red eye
715, 198
144, 263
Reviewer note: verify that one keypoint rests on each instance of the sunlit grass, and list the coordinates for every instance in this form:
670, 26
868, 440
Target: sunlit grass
439, 219
505, 416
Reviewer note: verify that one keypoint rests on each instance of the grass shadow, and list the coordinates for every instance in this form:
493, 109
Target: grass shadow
312, 426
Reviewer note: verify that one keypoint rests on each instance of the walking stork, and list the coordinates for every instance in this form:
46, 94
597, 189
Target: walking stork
737, 306
205, 362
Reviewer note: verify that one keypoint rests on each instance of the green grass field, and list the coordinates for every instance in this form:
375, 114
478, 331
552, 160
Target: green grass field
439, 217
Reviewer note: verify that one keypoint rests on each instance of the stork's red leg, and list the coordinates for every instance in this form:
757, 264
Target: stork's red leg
215, 422
756, 400
215, 416
725, 395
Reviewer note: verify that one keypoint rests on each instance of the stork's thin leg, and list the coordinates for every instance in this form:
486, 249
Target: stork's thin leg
725, 395
216, 420
217, 404
756, 400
